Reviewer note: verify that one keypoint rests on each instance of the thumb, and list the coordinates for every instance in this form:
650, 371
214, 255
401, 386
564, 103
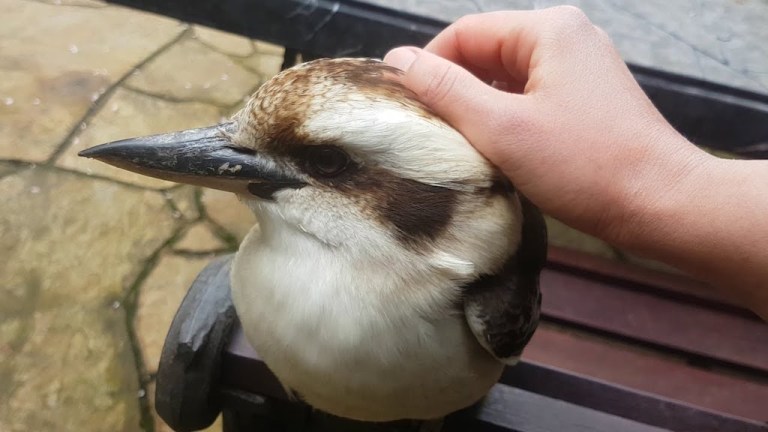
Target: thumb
463, 100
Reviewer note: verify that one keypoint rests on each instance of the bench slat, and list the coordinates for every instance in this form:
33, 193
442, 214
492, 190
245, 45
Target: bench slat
665, 322
644, 279
518, 410
648, 371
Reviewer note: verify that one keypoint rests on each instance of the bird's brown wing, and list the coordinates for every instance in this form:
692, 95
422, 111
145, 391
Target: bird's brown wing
503, 309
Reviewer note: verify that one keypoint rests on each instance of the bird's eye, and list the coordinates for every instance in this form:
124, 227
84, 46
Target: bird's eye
328, 161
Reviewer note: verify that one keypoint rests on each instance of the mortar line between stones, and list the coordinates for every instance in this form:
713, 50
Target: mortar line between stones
99, 104
20, 165
218, 50
12, 172
199, 206
213, 253
16, 166
223, 234
130, 302
243, 64
175, 210
171, 99
105, 178
229, 239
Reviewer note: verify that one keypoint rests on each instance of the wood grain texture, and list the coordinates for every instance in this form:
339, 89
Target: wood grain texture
653, 319
648, 371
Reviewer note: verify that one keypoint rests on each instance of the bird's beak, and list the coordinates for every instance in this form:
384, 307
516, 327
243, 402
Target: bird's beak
203, 157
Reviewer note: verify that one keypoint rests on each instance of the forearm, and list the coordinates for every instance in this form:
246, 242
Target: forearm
711, 223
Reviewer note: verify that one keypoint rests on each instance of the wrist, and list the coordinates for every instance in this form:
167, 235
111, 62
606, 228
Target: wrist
708, 220
657, 194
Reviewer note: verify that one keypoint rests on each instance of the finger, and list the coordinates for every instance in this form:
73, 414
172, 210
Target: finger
505, 44
462, 99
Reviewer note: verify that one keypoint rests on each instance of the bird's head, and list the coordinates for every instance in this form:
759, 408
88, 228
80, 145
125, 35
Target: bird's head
341, 151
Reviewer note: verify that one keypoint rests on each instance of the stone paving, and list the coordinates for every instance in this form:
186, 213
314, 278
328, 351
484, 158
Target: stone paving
94, 260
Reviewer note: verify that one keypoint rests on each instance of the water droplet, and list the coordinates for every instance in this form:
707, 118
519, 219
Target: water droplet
224, 77
102, 90
116, 305
8, 101
89, 171
136, 72
36, 101
74, 49
34, 190
114, 107
94, 97
141, 393
76, 141
188, 85
83, 125
176, 214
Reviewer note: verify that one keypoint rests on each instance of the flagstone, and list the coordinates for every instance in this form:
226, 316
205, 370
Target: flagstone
228, 212
129, 114
190, 71
70, 249
227, 43
159, 297
199, 239
54, 68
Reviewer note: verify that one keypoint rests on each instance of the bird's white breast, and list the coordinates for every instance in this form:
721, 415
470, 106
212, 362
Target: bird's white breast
373, 339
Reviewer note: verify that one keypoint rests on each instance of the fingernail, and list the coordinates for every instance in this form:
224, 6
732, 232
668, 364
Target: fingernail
401, 57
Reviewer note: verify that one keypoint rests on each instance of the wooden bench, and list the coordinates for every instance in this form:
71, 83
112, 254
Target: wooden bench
583, 369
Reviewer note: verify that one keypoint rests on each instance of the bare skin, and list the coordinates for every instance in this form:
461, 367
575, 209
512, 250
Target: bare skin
546, 97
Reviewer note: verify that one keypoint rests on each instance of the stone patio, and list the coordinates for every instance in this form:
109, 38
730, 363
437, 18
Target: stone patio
93, 260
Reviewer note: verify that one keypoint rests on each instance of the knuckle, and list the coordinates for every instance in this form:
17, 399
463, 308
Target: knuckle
567, 25
570, 13
569, 19
466, 20
474, 19
440, 84
466, 25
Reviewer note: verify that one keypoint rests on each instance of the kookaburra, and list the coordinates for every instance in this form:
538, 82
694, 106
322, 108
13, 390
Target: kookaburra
393, 272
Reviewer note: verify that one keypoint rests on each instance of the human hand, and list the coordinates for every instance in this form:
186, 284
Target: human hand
545, 96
